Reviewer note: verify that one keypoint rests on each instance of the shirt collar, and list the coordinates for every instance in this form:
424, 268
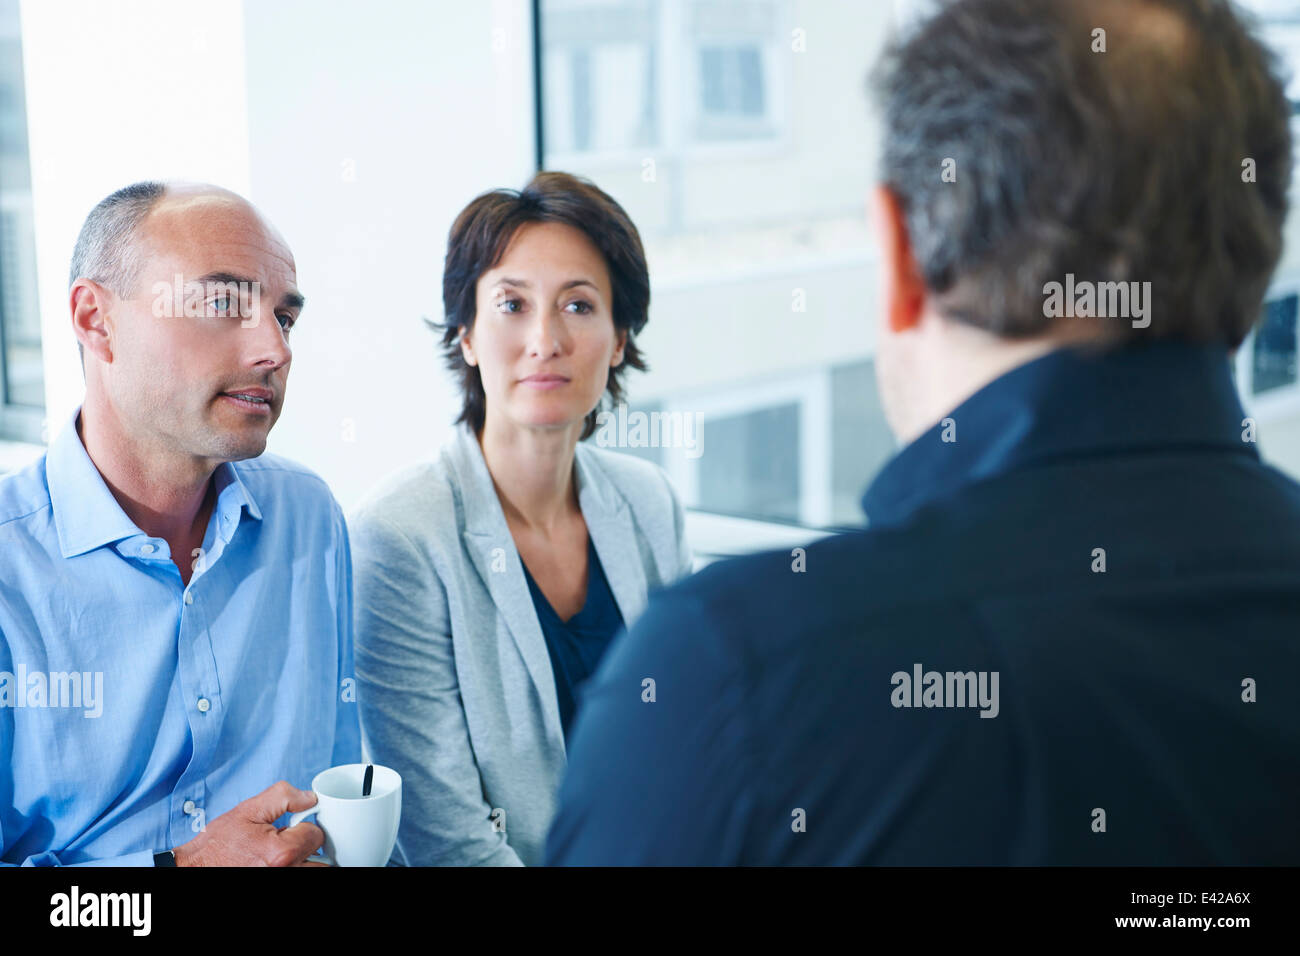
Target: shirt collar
1069, 403
233, 495
86, 514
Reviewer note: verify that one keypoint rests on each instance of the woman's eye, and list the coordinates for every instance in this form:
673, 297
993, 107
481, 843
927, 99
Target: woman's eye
583, 307
510, 305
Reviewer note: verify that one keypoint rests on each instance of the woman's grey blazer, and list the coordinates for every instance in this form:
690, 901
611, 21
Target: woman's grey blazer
454, 679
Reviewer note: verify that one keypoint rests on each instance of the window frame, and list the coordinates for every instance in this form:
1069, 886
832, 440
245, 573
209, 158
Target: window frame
19, 423
677, 96
1284, 400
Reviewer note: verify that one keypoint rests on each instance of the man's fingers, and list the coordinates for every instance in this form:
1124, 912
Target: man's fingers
299, 799
302, 840
278, 799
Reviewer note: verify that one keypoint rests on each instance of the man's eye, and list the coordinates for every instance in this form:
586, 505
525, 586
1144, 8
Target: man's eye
286, 321
222, 304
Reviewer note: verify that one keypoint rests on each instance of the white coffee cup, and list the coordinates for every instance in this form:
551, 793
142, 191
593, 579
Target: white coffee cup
359, 831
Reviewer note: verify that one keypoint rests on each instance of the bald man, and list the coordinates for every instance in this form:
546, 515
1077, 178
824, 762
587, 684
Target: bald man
175, 605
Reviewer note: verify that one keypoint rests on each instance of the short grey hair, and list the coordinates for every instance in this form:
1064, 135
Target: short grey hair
106, 248
1121, 166
107, 251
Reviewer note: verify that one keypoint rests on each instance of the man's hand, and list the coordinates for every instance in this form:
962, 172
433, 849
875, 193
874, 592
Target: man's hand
246, 835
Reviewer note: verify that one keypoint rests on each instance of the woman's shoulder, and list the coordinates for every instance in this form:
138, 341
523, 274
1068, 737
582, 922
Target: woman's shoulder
417, 497
638, 480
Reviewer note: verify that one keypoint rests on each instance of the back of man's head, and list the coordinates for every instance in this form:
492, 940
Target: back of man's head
1113, 141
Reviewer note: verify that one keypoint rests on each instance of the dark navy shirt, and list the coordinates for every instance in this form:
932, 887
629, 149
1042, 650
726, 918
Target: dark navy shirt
577, 645
1098, 535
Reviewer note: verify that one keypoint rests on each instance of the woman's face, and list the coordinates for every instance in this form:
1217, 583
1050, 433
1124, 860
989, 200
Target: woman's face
543, 335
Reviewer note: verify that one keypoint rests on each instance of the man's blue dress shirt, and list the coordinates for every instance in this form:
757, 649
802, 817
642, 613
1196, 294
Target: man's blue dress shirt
1098, 532
189, 699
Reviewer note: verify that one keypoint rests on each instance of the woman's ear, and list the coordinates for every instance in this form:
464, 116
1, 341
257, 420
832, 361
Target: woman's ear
467, 347
618, 351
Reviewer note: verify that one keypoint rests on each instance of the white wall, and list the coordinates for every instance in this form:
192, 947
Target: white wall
370, 127
105, 108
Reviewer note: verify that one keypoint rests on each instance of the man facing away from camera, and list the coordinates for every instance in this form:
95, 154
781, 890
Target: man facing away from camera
1069, 632
175, 606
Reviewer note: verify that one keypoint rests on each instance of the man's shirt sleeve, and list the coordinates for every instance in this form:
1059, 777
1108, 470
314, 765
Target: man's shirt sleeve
658, 761
48, 858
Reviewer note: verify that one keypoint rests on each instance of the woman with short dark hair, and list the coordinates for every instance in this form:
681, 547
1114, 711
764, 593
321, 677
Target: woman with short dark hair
490, 581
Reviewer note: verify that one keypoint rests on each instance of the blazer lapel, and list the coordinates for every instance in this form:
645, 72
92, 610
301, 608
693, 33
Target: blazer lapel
492, 550
609, 522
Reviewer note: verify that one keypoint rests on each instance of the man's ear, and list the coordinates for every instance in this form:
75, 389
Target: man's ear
902, 289
92, 321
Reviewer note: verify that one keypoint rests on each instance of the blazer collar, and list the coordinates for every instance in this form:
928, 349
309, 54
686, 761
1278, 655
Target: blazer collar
1070, 403
492, 549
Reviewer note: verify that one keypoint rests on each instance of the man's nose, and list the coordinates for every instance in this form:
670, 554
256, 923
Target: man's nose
268, 345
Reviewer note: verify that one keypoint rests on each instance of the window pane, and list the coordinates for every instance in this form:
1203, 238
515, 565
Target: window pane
598, 69
21, 371
1275, 346
741, 476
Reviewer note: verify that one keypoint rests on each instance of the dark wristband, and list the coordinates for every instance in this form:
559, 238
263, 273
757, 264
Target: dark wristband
164, 858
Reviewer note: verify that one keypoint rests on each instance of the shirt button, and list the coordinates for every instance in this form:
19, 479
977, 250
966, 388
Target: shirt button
189, 598
147, 549
204, 705
188, 807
